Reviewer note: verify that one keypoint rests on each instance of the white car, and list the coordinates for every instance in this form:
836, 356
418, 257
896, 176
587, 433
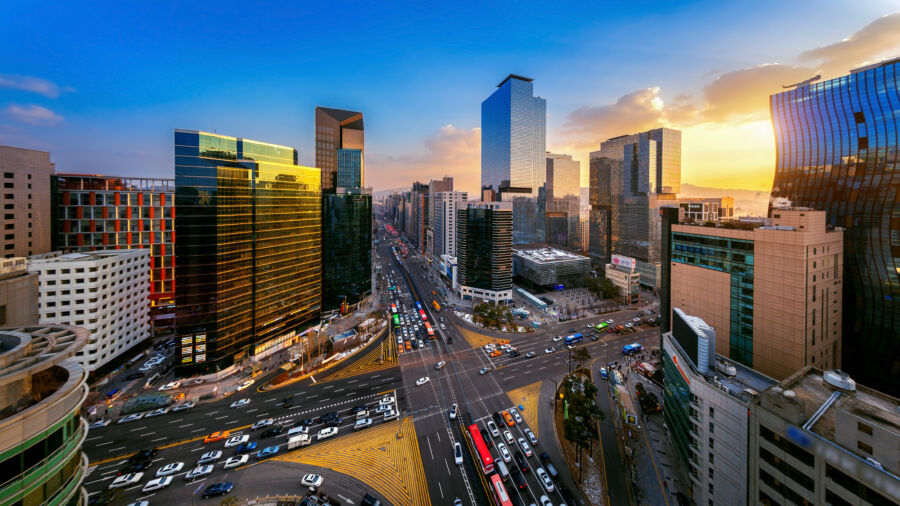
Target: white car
384, 408
531, 436
362, 424
157, 483
453, 411
99, 424
126, 480
239, 404
492, 428
157, 412
244, 385
208, 457
131, 418
170, 386
390, 415
610, 322
629, 325
440, 365
236, 440
183, 407
199, 472
237, 460
545, 501
526, 449
504, 452
549, 350
557, 339
312, 480
457, 453
386, 401
265, 422
545, 479
515, 415
326, 433
510, 440
443, 327
170, 469
421, 381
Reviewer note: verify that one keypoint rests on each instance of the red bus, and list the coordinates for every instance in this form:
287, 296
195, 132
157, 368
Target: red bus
484, 456
394, 308
499, 491
423, 315
429, 330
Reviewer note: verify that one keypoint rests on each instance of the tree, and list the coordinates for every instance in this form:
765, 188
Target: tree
581, 355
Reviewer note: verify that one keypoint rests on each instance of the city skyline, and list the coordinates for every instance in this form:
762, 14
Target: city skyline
718, 98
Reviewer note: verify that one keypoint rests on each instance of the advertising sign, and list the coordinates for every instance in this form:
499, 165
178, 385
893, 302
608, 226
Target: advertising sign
187, 340
200, 338
201, 358
186, 351
624, 261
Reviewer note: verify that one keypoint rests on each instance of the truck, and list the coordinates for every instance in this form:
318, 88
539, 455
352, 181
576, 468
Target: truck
298, 441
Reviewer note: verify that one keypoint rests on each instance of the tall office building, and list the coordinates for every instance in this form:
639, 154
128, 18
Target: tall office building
513, 164
419, 213
836, 150
631, 176
563, 202
18, 293
445, 204
92, 212
484, 251
350, 168
772, 292
248, 221
26, 201
337, 129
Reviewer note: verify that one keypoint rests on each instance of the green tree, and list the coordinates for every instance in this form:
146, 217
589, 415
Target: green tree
581, 356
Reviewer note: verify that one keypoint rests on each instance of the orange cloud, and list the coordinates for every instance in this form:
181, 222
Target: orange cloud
879, 38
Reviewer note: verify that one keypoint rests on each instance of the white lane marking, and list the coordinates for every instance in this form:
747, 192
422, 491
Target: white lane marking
139, 428
185, 425
252, 410
114, 449
157, 439
269, 400
106, 443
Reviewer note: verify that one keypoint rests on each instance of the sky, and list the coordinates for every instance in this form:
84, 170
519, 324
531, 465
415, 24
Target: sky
102, 85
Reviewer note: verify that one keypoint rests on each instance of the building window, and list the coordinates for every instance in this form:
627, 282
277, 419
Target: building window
864, 447
864, 428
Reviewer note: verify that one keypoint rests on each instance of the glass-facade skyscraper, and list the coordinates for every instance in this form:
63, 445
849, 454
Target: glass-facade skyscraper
249, 249
349, 168
836, 150
513, 147
484, 251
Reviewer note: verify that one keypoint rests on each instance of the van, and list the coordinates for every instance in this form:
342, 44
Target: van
296, 431
502, 470
298, 441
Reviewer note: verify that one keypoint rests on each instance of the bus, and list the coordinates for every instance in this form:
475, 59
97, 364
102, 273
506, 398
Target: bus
601, 326
429, 330
394, 308
574, 338
396, 321
418, 305
437, 307
484, 456
632, 348
423, 315
499, 491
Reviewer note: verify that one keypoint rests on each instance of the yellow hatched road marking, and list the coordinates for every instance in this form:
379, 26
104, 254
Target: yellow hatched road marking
367, 363
527, 396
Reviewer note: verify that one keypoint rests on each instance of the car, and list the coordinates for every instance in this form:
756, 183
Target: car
217, 489
134, 376
487, 439
311, 480
595, 338
557, 339
513, 353
198, 472
515, 415
545, 479
143, 455
358, 408
208, 457
237, 460
390, 415
443, 327
99, 424
629, 325
496, 353
531, 436
126, 480
131, 418
453, 411
421, 381
239, 404
156, 484
510, 440
521, 461
170, 386
609, 322
157, 412
269, 451
326, 433
237, 440
483, 371
440, 365
245, 448
170, 469
195, 381
383, 409
272, 431
530, 354
545, 501
518, 478
635, 319
492, 428
386, 401
507, 418
362, 423
457, 453
244, 385
306, 422
138, 503
526, 448
298, 430
216, 436
183, 407
265, 422
549, 350
134, 467
333, 422
147, 367
603, 373
504, 452
332, 415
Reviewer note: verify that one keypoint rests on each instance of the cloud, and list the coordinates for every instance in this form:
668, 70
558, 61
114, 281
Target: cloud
864, 46
33, 114
33, 85
449, 151
588, 126
745, 93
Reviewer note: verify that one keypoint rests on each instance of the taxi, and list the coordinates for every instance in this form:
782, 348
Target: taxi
496, 353
216, 436
503, 341
508, 418
407, 345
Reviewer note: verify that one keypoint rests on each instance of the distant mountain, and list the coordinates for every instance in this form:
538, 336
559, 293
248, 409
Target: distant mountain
746, 202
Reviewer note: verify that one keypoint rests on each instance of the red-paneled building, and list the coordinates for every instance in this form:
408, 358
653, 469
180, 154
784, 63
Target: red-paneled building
95, 212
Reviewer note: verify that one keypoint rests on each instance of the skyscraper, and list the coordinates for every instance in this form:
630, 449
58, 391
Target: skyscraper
337, 129
836, 150
630, 175
513, 142
26, 201
445, 204
248, 222
484, 251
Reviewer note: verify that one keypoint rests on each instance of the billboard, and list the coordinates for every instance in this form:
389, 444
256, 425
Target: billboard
624, 261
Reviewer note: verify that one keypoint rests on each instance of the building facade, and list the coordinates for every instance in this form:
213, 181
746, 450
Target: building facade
772, 292
701, 210
632, 176
337, 129
836, 145
484, 247
103, 292
346, 247
41, 429
26, 201
350, 168
513, 154
550, 268
621, 272
249, 226
91, 212
445, 205
18, 293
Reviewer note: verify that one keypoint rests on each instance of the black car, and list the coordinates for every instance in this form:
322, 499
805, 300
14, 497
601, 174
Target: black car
595, 338
572, 330
306, 422
135, 467
520, 460
134, 376
370, 500
218, 489
328, 416
514, 353
518, 479
143, 455
333, 422
498, 419
487, 439
357, 409
272, 431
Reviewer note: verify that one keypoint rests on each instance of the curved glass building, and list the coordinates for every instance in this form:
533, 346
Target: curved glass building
836, 150
41, 430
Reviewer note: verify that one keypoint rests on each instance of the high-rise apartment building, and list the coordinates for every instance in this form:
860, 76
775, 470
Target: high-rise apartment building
26, 201
772, 290
484, 251
249, 227
93, 212
18, 293
337, 129
836, 145
445, 205
631, 177
513, 150
104, 292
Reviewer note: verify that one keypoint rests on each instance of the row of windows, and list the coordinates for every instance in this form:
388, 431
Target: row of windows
12, 175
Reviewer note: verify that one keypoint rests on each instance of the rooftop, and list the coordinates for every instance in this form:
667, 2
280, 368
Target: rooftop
546, 255
514, 76
13, 267
59, 257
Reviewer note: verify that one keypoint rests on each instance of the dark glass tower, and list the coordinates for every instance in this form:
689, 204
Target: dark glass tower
836, 150
484, 247
248, 222
336, 129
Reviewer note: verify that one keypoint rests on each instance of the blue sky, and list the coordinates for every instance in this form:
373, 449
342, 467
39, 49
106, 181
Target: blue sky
113, 79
